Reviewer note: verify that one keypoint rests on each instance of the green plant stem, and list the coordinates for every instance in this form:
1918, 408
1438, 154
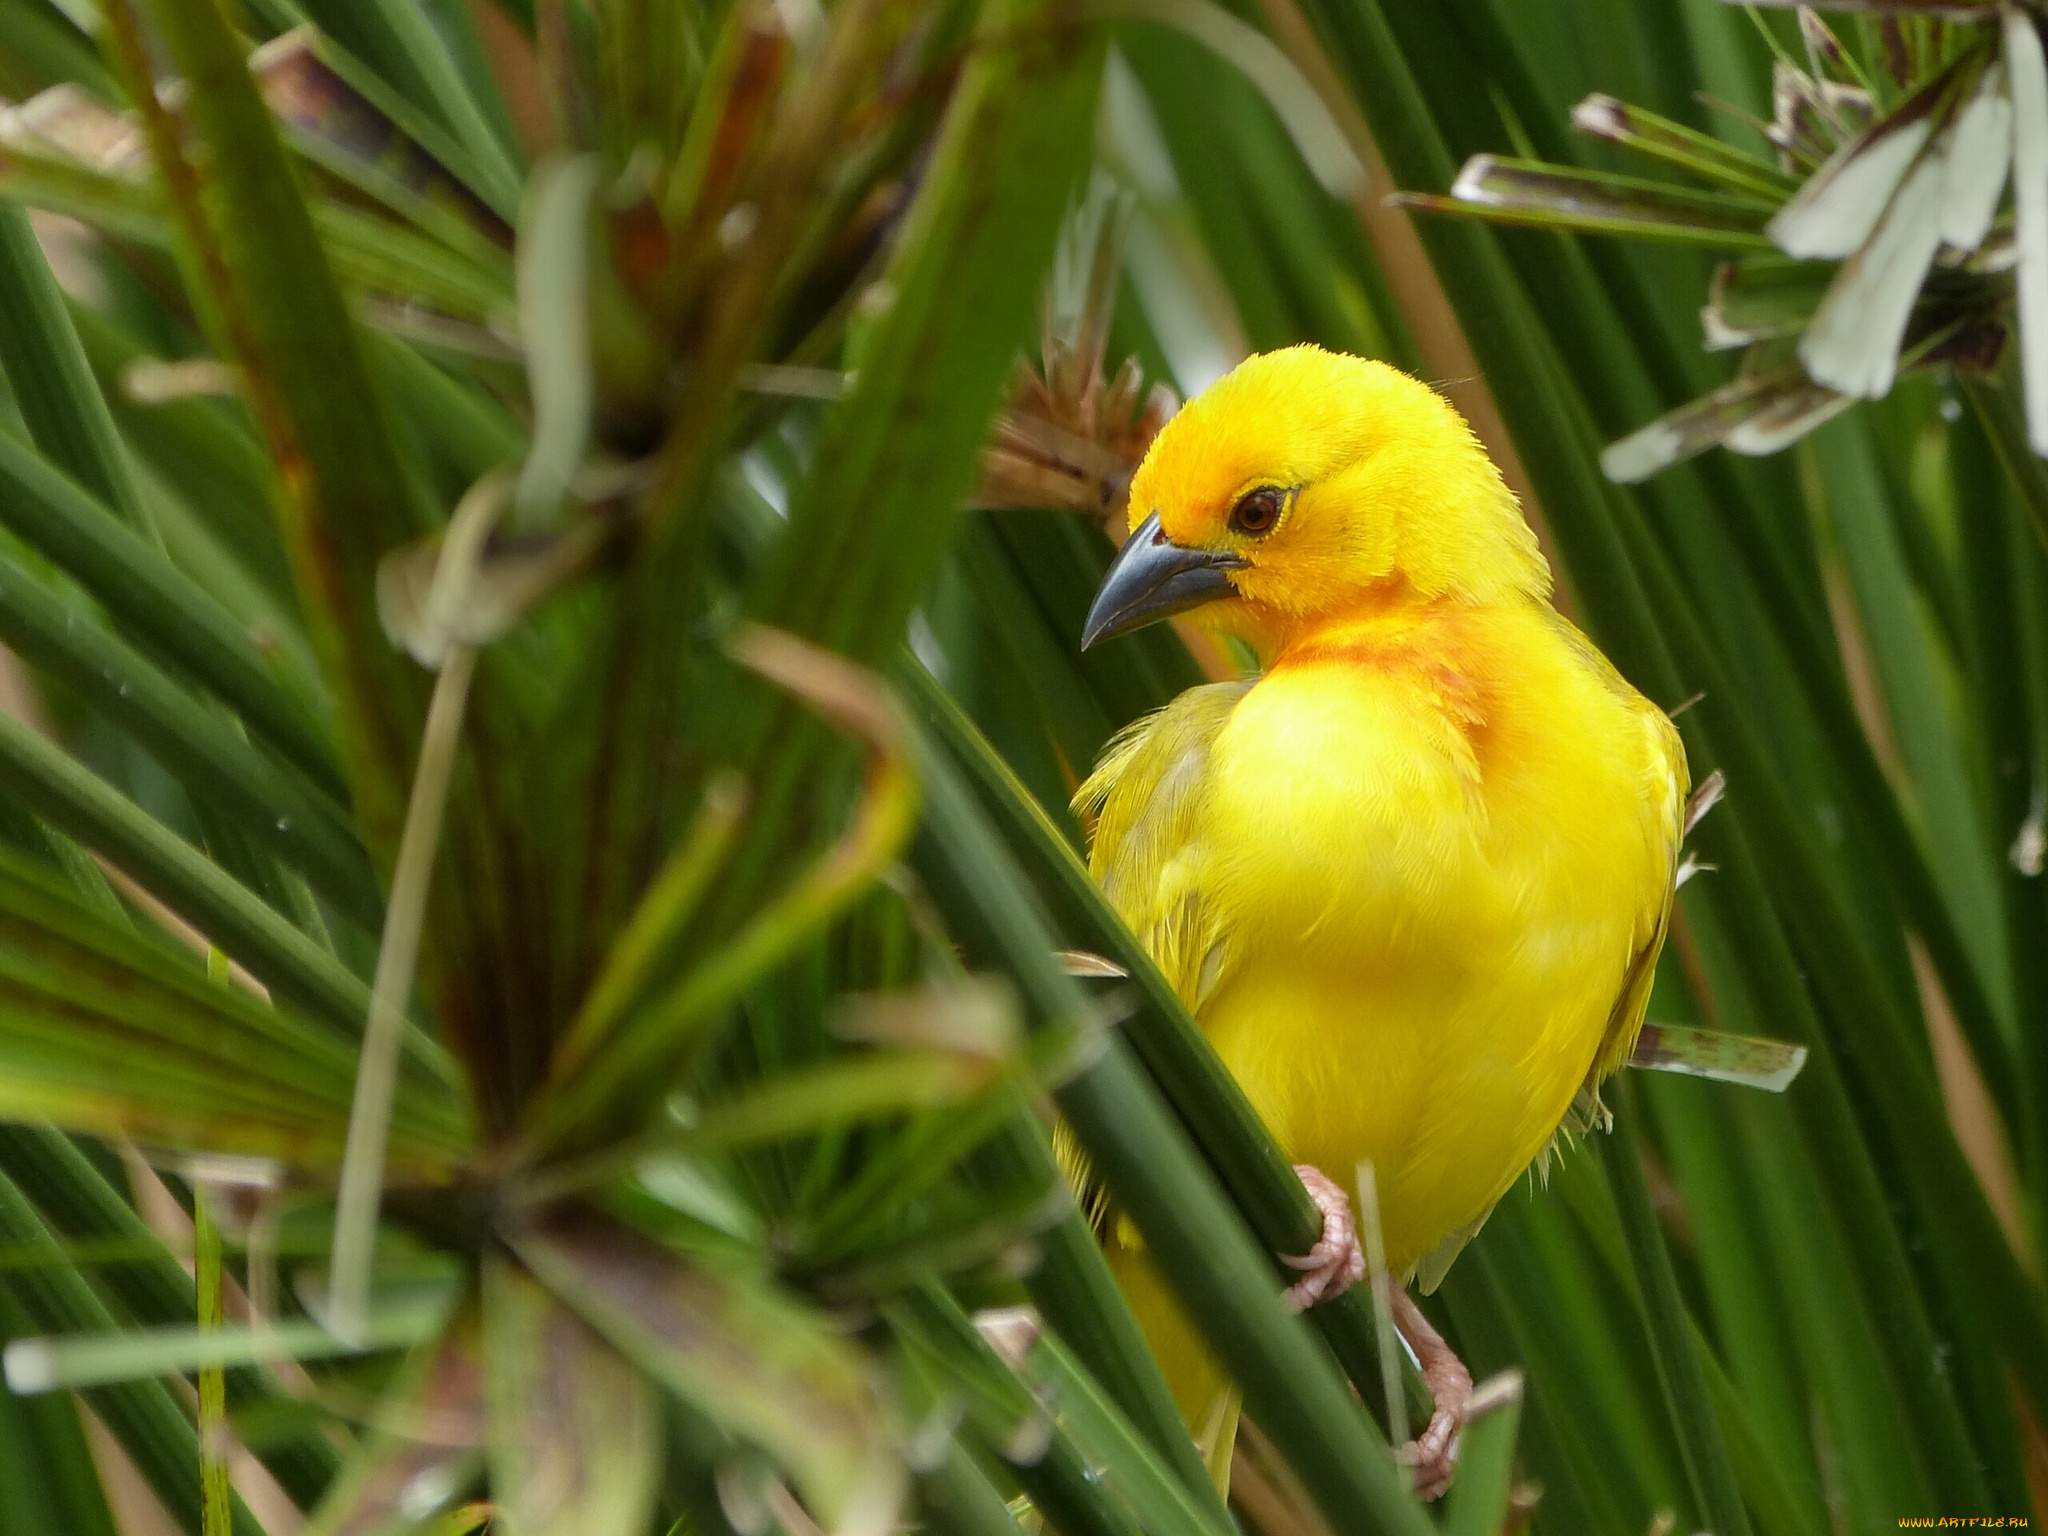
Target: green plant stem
1707, 1464
1076, 1294
1004, 1416
1998, 408
369, 1123
960, 1500
1477, 1504
216, 1495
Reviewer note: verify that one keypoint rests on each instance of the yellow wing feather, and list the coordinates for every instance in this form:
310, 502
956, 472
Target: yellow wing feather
1669, 781
1145, 802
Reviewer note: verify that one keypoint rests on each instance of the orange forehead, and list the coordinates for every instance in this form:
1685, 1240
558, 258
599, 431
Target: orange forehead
1282, 418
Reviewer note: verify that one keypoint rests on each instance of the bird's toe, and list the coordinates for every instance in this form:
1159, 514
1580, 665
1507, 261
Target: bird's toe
1336, 1263
1432, 1456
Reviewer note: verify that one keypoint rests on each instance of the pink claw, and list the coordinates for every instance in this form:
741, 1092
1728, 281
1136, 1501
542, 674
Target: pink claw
1433, 1455
1336, 1263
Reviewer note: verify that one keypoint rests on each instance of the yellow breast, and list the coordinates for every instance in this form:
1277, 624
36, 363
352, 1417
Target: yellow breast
1428, 847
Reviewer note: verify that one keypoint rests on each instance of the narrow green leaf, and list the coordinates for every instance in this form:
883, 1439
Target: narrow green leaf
1999, 408
398, 41
203, 446
347, 502
216, 1491
1998, 570
124, 209
1559, 197
1603, 117
1671, 1337
554, 325
41, 49
803, 1101
1909, 669
53, 1483
76, 1361
1317, 136
1504, 1303
1076, 1293
276, 953
160, 605
143, 1416
1761, 299
1164, 1505
1004, 1416
1477, 1504
1077, 723
667, 1026
1767, 1064
958, 1496
66, 416
347, 121
150, 1284
367, 248
120, 1033
460, 421
271, 802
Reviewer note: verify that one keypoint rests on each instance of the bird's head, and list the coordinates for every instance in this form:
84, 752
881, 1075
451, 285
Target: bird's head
1303, 485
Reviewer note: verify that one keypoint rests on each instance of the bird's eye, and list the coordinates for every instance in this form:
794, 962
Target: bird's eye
1257, 511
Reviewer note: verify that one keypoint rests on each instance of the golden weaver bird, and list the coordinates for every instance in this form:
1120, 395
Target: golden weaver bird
1412, 880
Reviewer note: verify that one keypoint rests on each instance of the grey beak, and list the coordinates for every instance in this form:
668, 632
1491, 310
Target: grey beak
1151, 578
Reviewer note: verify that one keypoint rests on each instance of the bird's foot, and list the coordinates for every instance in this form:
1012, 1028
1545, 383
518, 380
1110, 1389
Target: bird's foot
1336, 1263
1433, 1455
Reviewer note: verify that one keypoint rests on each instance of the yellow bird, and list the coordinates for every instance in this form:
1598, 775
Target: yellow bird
1413, 878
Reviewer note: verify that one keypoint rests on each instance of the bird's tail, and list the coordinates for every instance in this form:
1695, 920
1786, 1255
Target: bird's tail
1207, 1398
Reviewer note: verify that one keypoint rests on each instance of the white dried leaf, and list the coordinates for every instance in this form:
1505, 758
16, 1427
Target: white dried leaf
1853, 341
1840, 204
2029, 71
1752, 414
1786, 419
71, 121
1979, 155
